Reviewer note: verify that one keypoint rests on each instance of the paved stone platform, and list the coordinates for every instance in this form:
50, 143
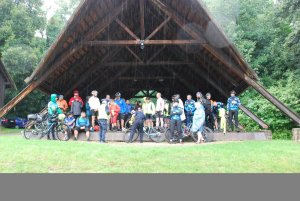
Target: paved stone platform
215, 137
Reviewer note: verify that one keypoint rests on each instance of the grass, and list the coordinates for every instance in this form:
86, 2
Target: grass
18, 155
9, 130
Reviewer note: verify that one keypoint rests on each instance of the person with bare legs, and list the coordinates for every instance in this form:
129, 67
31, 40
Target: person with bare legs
159, 109
149, 111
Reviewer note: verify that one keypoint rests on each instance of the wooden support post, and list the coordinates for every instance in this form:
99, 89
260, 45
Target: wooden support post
142, 15
273, 100
296, 134
254, 117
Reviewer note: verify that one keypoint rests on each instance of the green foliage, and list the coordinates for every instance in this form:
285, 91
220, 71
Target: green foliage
268, 35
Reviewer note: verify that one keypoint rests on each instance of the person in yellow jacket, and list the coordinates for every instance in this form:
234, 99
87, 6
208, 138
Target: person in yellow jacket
222, 115
149, 111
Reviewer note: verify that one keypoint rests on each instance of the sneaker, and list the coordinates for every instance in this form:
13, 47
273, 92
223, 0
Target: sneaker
88, 140
75, 139
123, 130
181, 141
92, 129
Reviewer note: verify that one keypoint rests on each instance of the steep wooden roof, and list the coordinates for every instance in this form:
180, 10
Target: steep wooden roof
172, 46
100, 49
9, 83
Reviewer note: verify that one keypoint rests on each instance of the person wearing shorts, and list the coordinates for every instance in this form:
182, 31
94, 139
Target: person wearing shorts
94, 103
159, 109
82, 125
122, 114
149, 111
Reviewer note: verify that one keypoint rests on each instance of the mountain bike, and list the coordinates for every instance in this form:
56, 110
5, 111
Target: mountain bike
154, 134
61, 131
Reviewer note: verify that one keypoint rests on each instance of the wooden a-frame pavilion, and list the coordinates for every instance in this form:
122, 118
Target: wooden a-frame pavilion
172, 46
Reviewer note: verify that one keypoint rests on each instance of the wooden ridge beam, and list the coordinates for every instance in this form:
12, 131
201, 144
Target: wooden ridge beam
142, 18
138, 42
142, 64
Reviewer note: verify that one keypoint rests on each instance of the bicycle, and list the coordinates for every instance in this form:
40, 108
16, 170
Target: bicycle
61, 131
186, 132
156, 135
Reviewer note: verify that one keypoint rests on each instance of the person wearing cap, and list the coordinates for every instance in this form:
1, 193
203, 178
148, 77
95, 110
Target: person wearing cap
75, 97
189, 107
103, 113
94, 103
137, 125
233, 104
175, 116
123, 108
149, 111
62, 103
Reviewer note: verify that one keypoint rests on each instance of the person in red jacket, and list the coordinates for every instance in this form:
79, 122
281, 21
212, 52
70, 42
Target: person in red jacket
75, 97
114, 113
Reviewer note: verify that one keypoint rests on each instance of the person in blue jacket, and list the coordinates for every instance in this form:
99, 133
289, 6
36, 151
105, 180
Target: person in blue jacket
138, 124
233, 104
198, 122
82, 124
175, 114
189, 107
123, 109
53, 112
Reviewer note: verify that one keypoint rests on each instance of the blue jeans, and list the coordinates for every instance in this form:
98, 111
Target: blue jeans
189, 119
103, 129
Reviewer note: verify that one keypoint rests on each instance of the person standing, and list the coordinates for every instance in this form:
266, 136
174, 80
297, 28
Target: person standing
94, 103
137, 125
62, 103
102, 120
53, 112
209, 119
76, 108
233, 104
76, 97
149, 111
123, 108
189, 107
114, 113
175, 116
159, 109
88, 109
198, 122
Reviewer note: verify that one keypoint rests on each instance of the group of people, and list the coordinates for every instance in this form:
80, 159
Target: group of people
112, 114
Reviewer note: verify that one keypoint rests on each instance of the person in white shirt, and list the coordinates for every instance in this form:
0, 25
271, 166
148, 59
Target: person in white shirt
94, 103
103, 113
159, 110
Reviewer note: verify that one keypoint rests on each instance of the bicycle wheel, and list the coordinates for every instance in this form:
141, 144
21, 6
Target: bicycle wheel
128, 123
168, 136
62, 132
32, 133
208, 134
126, 136
157, 135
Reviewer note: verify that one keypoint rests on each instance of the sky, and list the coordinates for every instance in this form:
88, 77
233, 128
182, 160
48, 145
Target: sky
50, 7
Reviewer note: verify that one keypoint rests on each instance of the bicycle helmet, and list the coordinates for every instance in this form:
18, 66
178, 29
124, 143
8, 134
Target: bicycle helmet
208, 94
118, 94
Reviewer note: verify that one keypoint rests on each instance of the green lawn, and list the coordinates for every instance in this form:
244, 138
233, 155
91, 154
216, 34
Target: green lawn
9, 130
18, 155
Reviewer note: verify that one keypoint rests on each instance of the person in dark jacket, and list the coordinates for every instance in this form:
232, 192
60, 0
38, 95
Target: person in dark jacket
138, 124
76, 107
175, 116
233, 104
209, 118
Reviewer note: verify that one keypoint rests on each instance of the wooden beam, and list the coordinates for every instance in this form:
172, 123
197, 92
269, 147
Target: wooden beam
127, 29
142, 18
260, 89
134, 54
142, 64
146, 78
158, 28
254, 117
94, 69
138, 42
155, 54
